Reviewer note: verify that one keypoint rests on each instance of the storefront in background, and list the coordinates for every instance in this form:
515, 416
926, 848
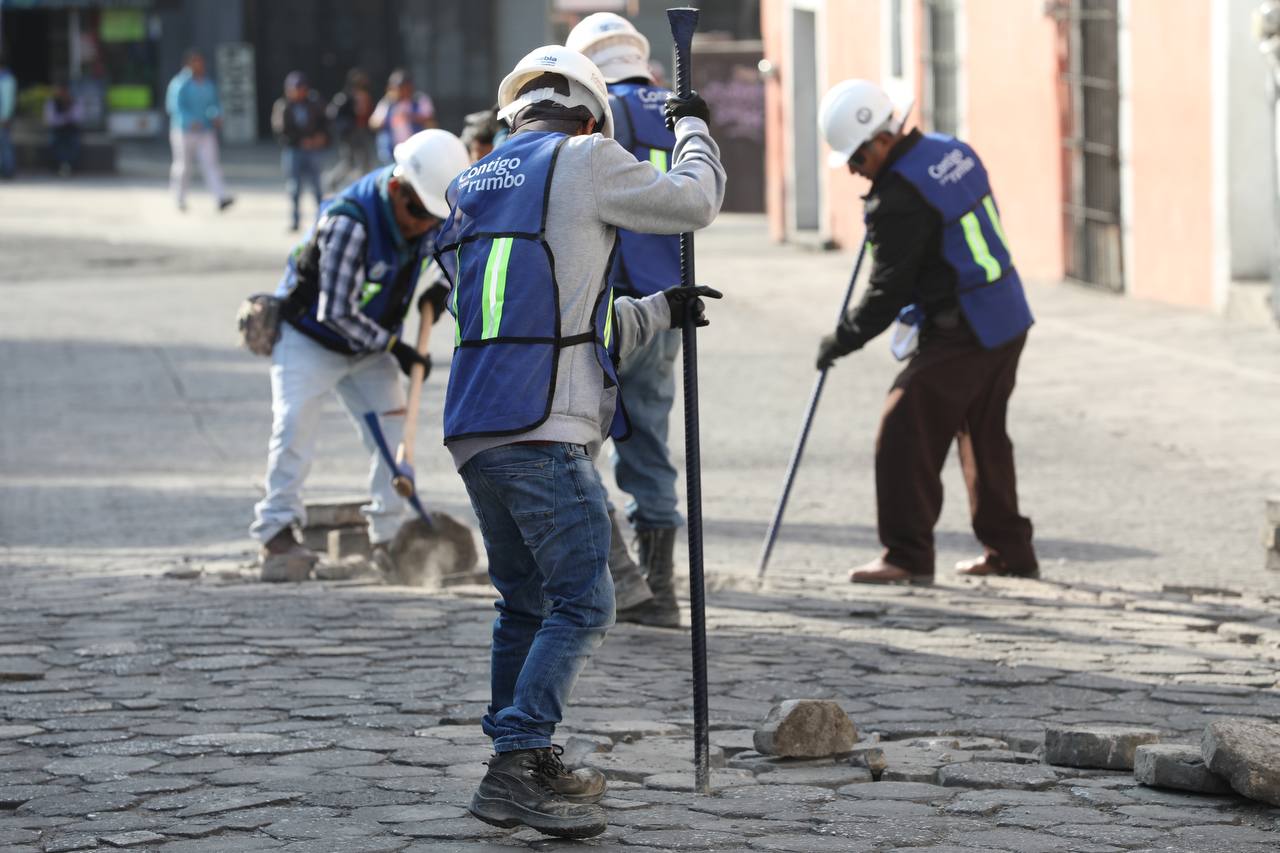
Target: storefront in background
105, 50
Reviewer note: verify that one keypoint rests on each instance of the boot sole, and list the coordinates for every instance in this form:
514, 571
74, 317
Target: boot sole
507, 815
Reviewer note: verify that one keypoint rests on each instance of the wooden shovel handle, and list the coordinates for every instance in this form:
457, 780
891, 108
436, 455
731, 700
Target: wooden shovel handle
417, 375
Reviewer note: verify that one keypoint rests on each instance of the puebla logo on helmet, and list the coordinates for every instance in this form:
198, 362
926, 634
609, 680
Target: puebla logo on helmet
863, 115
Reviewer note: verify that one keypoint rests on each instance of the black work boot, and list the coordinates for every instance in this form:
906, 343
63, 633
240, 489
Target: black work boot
629, 586
584, 785
520, 790
657, 557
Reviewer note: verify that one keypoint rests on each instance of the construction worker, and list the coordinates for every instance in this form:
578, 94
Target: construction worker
345, 294
643, 264
941, 267
533, 392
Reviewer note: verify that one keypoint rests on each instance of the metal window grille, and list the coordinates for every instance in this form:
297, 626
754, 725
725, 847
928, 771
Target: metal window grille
1089, 59
942, 67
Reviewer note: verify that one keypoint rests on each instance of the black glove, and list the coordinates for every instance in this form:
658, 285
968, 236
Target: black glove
408, 357
678, 107
436, 296
830, 348
681, 300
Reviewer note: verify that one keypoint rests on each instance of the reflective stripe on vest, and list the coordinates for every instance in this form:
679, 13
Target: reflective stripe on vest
951, 179
495, 287
660, 160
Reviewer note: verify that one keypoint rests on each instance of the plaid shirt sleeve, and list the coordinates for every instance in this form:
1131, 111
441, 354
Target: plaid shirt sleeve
342, 241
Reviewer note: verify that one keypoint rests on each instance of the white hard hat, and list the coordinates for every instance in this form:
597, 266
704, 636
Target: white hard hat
613, 44
586, 85
852, 112
429, 160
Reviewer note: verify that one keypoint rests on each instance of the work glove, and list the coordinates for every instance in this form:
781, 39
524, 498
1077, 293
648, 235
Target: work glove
408, 357
681, 300
830, 348
678, 108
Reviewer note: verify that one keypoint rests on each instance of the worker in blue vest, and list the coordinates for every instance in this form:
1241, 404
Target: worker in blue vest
943, 270
344, 297
644, 264
533, 392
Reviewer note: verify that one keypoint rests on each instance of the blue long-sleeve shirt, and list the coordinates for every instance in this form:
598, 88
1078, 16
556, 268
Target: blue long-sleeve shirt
191, 102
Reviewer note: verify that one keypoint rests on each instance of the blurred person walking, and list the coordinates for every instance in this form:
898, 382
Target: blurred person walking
400, 113
299, 123
63, 115
348, 116
8, 106
194, 119
643, 264
942, 267
533, 392
344, 296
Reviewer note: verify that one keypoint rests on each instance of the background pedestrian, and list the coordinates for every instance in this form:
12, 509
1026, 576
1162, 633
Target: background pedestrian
8, 105
194, 119
348, 114
298, 121
401, 113
63, 116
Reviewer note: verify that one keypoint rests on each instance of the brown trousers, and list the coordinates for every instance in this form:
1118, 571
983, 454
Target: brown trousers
952, 388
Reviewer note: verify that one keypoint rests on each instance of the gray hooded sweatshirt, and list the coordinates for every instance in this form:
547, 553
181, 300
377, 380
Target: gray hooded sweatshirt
597, 187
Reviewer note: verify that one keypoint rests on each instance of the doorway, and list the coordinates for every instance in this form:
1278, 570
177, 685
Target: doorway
806, 153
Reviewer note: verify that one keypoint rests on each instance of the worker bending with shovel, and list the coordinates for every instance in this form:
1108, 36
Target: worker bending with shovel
342, 305
942, 269
533, 392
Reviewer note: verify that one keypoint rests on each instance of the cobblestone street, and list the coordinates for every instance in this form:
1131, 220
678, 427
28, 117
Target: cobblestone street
216, 714
154, 696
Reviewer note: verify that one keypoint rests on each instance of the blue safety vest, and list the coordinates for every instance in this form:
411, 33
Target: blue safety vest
645, 263
391, 266
506, 300
953, 182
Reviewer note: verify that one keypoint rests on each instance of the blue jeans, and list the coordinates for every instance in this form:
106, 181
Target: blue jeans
64, 146
542, 516
301, 167
8, 164
642, 464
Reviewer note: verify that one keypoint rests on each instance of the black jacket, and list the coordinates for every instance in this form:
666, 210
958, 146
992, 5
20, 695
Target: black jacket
293, 122
906, 240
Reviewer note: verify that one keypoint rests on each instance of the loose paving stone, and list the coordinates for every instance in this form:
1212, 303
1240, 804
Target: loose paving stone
987, 774
826, 777
1106, 747
21, 669
1176, 766
806, 728
1247, 754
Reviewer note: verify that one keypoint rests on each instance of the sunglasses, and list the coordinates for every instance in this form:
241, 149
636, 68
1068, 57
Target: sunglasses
413, 206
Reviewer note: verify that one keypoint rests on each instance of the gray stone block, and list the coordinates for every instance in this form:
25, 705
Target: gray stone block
806, 728
1106, 747
343, 542
1247, 754
341, 512
1177, 766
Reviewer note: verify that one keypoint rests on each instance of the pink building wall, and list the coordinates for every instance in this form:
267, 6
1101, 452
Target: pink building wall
1171, 155
1010, 79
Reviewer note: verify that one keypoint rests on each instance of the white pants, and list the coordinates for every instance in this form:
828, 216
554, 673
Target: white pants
197, 144
302, 375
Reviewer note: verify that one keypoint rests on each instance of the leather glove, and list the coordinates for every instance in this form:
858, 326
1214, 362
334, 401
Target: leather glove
408, 357
829, 349
682, 300
678, 108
